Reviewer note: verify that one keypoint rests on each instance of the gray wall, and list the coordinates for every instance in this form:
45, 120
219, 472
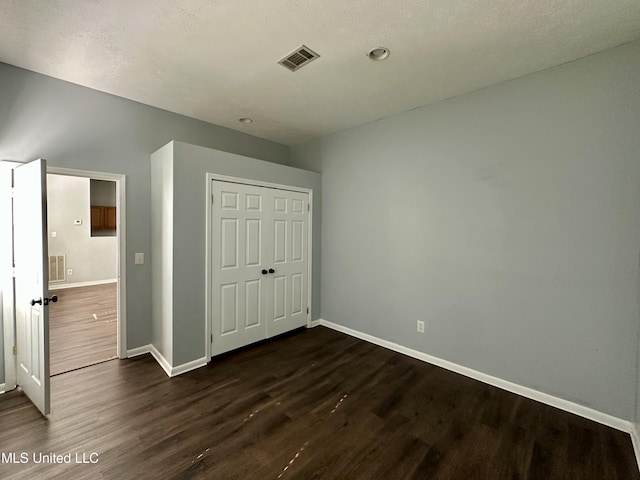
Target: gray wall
90, 258
507, 219
191, 163
76, 127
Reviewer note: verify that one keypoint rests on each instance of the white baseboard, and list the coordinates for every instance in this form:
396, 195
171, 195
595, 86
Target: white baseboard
314, 323
635, 439
166, 366
566, 405
187, 367
134, 352
164, 363
60, 286
3, 386
177, 370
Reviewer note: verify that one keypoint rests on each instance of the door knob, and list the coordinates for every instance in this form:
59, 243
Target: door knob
33, 302
271, 270
52, 299
264, 272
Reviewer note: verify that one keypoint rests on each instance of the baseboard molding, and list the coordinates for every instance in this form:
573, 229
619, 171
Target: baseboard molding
166, 366
62, 286
3, 387
314, 323
164, 363
134, 352
187, 367
177, 370
635, 440
566, 405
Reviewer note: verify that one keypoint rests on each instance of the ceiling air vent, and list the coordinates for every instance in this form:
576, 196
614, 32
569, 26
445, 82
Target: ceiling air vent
298, 58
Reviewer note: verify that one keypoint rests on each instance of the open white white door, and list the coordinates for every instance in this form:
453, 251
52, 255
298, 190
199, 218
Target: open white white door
31, 281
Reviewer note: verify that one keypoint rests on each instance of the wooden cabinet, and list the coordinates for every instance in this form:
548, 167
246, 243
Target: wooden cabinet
103, 217
110, 218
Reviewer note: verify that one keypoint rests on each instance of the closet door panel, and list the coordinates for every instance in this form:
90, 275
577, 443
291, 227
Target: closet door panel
287, 234
237, 300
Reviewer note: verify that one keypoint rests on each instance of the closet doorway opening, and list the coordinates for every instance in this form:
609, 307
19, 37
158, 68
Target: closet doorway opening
84, 243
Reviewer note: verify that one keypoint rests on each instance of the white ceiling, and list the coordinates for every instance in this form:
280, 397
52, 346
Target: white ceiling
216, 60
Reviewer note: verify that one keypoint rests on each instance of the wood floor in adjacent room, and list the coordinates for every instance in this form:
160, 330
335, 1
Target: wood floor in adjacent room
314, 405
83, 327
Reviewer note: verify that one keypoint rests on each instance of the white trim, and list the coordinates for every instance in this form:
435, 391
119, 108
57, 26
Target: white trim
310, 258
209, 268
180, 369
315, 323
562, 404
187, 367
121, 235
208, 271
134, 352
635, 440
256, 183
6, 278
62, 286
2, 388
166, 366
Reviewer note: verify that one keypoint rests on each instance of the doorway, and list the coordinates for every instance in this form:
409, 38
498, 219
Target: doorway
82, 252
8, 287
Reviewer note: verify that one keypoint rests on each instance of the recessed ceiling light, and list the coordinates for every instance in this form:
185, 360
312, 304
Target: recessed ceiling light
245, 120
379, 53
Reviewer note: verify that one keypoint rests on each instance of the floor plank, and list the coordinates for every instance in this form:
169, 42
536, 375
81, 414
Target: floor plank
312, 405
82, 327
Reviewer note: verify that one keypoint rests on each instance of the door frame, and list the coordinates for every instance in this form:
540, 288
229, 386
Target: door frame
209, 242
8, 316
6, 282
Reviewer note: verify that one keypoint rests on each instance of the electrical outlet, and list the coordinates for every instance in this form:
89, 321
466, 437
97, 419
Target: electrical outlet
69, 271
420, 326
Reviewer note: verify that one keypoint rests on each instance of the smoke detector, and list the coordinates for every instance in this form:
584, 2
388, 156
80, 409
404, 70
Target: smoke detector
298, 58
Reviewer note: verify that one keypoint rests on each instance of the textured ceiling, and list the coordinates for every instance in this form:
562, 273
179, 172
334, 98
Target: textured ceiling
217, 60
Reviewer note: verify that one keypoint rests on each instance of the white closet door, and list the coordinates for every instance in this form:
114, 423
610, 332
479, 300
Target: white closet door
288, 244
238, 258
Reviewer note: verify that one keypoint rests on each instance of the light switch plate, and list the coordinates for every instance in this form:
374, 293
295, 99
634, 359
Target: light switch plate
139, 258
54, 234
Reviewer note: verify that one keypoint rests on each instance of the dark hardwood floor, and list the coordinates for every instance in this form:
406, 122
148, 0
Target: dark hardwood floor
314, 405
83, 327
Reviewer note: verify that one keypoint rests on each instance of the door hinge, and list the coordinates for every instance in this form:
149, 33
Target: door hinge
212, 198
13, 272
15, 350
212, 338
307, 309
308, 207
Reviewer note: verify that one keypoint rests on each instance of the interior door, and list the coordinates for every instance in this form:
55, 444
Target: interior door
31, 277
287, 239
238, 261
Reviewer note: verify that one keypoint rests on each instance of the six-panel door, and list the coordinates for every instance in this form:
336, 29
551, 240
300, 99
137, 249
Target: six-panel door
259, 263
287, 238
31, 274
